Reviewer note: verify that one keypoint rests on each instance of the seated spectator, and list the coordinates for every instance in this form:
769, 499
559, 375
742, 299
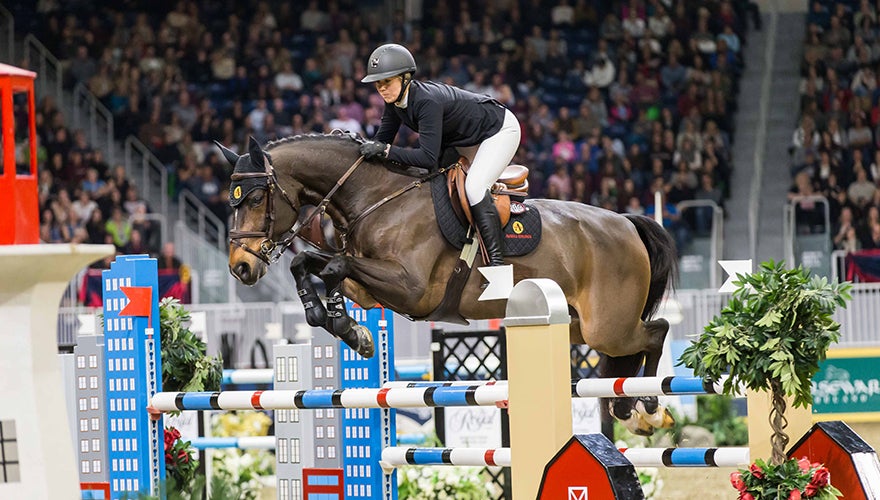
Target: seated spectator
118, 228
861, 192
168, 258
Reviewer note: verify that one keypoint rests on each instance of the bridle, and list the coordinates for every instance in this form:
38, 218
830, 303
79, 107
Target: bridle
270, 250
267, 244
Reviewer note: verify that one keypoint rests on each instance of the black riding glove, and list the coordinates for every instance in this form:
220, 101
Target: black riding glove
373, 149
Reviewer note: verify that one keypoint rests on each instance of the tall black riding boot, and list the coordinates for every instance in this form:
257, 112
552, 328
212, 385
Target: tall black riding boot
487, 222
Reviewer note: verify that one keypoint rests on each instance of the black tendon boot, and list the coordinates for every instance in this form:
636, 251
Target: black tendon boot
486, 219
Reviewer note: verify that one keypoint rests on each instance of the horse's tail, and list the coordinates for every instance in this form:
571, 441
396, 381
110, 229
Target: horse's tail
663, 258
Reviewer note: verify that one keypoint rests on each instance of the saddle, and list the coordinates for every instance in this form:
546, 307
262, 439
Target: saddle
513, 182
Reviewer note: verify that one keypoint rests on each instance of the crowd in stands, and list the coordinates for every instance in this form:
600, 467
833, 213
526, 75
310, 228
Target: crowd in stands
617, 99
834, 147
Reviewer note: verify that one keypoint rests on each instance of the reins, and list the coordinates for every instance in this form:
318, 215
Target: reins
270, 250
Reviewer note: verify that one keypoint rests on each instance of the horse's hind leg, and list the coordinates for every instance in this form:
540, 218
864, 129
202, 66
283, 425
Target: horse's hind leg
639, 414
339, 323
624, 408
648, 406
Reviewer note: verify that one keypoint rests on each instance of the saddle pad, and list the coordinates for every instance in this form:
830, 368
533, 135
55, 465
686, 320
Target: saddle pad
521, 235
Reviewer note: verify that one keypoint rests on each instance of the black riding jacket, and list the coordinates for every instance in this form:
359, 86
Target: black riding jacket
444, 116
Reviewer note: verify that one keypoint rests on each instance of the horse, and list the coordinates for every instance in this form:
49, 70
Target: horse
614, 269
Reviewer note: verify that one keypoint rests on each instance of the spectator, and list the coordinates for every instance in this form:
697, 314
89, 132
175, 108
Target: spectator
168, 258
118, 228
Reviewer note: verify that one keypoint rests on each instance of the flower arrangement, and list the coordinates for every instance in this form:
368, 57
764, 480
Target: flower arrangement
793, 479
180, 467
186, 367
442, 483
246, 469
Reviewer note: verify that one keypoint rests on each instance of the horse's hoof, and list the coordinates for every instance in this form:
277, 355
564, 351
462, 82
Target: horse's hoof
365, 341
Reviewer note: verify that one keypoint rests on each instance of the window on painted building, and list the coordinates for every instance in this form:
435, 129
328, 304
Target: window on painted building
331, 413
296, 488
282, 451
319, 432
81, 382
283, 489
83, 405
319, 372
85, 467
281, 416
293, 369
93, 382
319, 452
316, 352
84, 446
328, 351
331, 431
319, 414
331, 452
294, 451
83, 425
93, 361
294, 416
280, 370
96, 466
80, 361
96, 424
329, 372
96, 444
94, 402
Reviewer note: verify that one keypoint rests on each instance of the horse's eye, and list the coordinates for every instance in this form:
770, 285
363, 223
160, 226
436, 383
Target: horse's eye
256, 200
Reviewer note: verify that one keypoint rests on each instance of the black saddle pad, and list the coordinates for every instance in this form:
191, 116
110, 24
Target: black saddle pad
521, 234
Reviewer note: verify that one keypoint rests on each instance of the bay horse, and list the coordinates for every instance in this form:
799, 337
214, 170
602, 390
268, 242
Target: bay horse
613, 269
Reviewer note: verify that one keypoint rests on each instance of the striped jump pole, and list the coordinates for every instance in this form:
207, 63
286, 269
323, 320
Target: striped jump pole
646, 386
688, 457
248, 376
415, 397
500, 457
423, 394
478, 457
242, 443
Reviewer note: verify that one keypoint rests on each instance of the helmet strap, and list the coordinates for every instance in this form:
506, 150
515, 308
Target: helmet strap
406, 79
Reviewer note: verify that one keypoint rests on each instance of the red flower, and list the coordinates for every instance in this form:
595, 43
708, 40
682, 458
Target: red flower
795, 495
168, 457
745, 495
183, 456
804, 464
756, 471
811, 490
737, 481
821, 478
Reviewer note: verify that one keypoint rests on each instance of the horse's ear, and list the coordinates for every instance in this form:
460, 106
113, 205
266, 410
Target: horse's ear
230, 155
256, 152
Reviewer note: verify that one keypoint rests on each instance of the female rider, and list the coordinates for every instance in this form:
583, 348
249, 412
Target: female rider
478, 126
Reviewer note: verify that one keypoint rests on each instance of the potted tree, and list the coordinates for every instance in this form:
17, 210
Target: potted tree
771, 336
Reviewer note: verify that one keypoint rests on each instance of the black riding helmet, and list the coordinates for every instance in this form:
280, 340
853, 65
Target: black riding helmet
389, 60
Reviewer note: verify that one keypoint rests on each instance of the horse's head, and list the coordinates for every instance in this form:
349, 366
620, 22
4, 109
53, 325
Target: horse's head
258, 204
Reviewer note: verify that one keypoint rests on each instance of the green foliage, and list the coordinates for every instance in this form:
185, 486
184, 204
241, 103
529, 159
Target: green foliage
776, 328
792, 479
221, 489
185, 365
443, 482
717, 414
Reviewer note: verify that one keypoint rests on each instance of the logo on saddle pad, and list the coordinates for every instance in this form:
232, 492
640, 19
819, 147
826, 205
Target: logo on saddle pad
521, 234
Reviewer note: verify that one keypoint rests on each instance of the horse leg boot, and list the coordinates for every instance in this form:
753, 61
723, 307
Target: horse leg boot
339, 323
649, 407
489, 226
316, 315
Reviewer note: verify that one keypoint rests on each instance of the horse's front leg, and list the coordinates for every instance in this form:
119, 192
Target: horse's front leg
304, 265
339, 323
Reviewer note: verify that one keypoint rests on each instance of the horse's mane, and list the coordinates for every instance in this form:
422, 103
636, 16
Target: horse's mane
333, 135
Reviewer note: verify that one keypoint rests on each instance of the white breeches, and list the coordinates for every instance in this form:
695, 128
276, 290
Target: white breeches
490, 158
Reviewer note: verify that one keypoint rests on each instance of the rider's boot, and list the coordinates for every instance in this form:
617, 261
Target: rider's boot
489, 225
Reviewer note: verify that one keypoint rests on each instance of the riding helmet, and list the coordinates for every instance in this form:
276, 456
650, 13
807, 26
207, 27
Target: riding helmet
389, 60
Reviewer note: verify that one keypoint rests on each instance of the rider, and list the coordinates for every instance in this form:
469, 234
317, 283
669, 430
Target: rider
478, 126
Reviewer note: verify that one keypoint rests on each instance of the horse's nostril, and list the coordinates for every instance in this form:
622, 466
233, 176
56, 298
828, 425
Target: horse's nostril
242, 270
